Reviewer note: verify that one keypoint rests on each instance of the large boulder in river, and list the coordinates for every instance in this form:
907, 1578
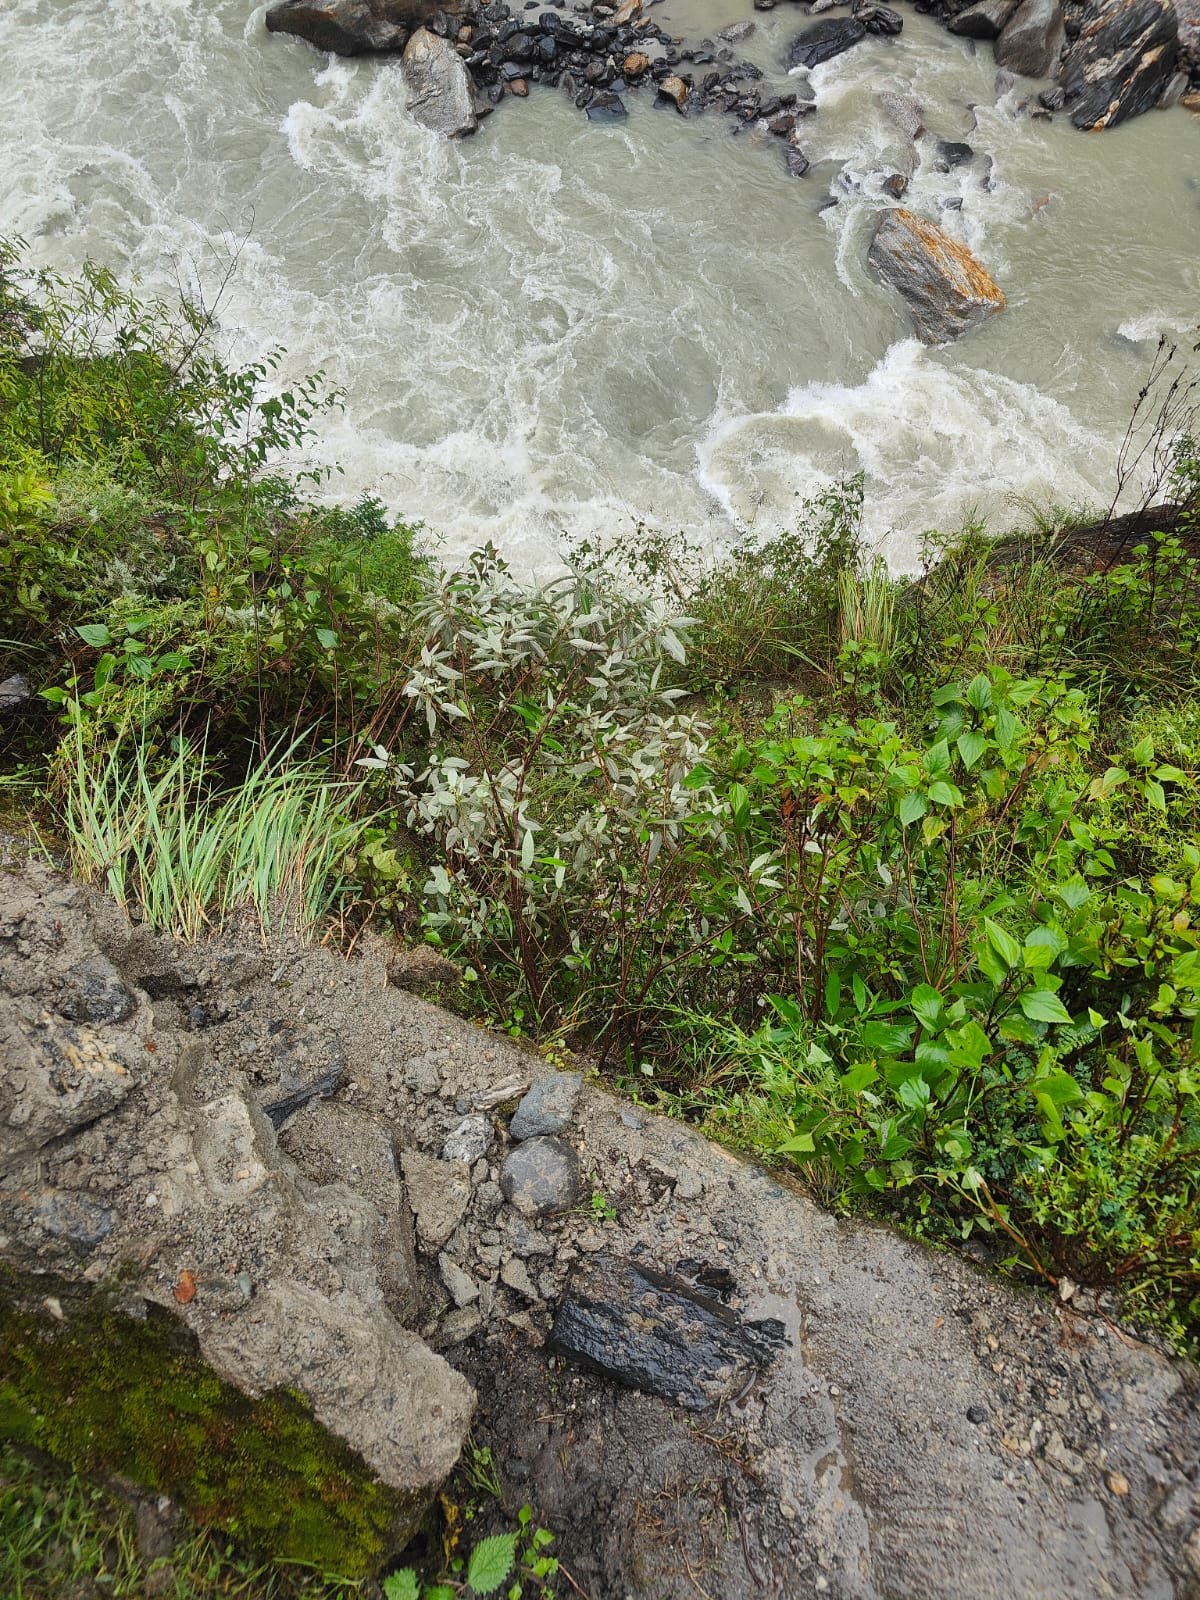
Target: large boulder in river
824, 40
443, 96
986, 20
1188, 14
1033, 39
946, 289
1122, 61
353, 27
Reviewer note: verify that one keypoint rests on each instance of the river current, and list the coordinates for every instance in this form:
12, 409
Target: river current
556, 329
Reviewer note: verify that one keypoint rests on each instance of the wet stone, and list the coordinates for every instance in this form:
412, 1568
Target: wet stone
548, 1107
540, 1177
657, 1333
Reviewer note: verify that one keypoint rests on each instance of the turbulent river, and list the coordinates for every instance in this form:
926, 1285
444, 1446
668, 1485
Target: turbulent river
557, 329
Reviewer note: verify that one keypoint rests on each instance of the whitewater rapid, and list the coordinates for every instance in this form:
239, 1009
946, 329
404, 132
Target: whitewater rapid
555, 330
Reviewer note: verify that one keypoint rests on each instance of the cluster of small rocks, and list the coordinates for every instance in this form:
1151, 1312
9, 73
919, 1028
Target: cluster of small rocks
597, 53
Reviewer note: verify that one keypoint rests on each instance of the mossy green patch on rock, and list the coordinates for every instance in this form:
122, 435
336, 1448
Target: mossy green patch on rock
109, 1392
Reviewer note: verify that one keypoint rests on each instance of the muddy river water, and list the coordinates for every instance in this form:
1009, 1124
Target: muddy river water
556, 329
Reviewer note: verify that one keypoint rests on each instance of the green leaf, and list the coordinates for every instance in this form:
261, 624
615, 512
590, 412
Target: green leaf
95, 634
801, 1145
1042, 1005
440, 1591
326, 638
926, 1004
913, 806
833, 994
979, 692
1005, 946
937, 757
971, 747
945, 794
402, 1585
491, 1562
887, 1037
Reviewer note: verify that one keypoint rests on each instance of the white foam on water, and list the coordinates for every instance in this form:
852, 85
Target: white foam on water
914, 428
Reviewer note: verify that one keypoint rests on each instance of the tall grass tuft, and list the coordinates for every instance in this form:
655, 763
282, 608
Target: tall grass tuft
186, 859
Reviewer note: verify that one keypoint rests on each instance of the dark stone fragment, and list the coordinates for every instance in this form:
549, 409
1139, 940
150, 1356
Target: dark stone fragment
660, 1334
542, 1175
82, 1223
880, 20
1122, 61
510, 71
976, 1414
522, 47
1053, 99
952, 154
495, 13
547, 48
797, 162
605, 106
94, 991
894, 184
278, 1111
15, 691
824, 40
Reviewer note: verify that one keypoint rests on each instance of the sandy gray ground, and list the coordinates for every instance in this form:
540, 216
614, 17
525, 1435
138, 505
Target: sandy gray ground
931, 1433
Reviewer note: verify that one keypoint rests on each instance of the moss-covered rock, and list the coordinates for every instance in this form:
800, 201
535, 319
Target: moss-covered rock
108, 1392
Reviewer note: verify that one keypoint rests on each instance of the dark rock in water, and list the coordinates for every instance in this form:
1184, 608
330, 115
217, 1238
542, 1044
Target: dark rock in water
443, 98
986, 20
352, 27
660, 1334
1032, 39
1124, 58
540, 1176
952, 153
1174, 91
94, 991
879, 19
736, 32
605, 106
894, 184
824, 40
1053, 99
797, 162
948, 292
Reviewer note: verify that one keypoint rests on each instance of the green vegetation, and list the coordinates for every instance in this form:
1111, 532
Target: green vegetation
897, 881
108, 1393
893, 880
61, 1535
